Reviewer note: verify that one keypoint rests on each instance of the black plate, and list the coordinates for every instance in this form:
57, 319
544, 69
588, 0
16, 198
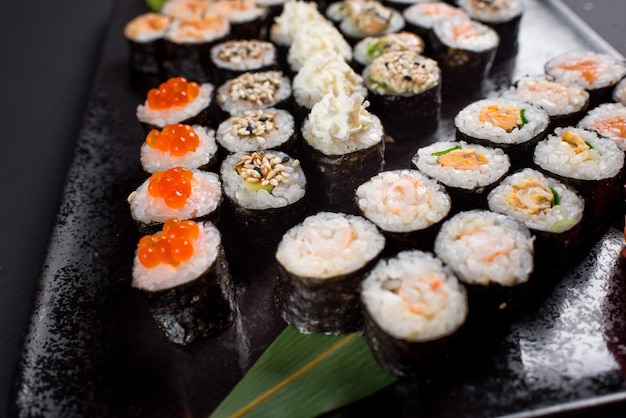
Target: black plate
94, 350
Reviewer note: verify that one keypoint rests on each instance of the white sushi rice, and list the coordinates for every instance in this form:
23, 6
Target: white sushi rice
205, 198
198, 30
608, 120
373, 46
467, 121
485, 38
185, 9
253, 91
556, 98
327, 245
494, 11
426, 14
147, 27
610, 69
557, 219
153, 159
281, 195
166, 276
485, 247
496, 165
603, 159
240, 11
160, 118
401, 297
403, 200
276, 132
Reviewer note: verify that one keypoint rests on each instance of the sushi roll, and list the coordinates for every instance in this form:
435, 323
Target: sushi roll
274, 9
365, 18
465, 50
235, 57
551, 210
406, 205
405, 92
264, 191
591, 165
145, 34
565, 103
176, 193
313, 37
512, 125
188, 44
619, 92
420, 18
177, 101
609, 121
253, 91
182, 274
248, 20
179, 145
321, 263
493, 257
342, 147
414, 309
326, 72
185, 9
254, 130
596, 72
372, 47
504, 16
468, 171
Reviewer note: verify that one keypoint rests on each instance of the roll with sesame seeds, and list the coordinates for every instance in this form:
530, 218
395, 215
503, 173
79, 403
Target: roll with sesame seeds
234, 57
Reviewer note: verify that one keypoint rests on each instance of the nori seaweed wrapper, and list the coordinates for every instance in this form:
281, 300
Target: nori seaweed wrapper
196, 309
408, 118
146, 57
313, 305
333, 179
189, 60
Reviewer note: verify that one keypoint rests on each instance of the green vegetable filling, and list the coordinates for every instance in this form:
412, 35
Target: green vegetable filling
557, 198
444, 152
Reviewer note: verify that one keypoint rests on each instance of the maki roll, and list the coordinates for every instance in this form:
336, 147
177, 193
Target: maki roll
565, 103
188, 44
405, 92
493, 257
406, 205
183, 275
179, 145
177, 101
372, 47
591, 165
326, 72
512, 125
596, 72
145, 34
421, 17
265, 193
253, 91
414, 309
247, 19
465, 50
551, 210
363, 18
255, 130
343, 146
313, 37
609, 121
619, 92
321, 263
235, 57
185, 9
468, 171
504, 16
176, 193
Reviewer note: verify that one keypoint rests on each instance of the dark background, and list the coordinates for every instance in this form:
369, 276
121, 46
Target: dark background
49, 58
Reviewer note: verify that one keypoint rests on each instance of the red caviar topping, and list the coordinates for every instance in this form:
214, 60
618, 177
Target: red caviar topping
176, 91
173, 185
177, 139
172, 245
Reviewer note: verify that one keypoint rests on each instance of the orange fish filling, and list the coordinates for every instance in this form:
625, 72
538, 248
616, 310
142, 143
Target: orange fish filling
611, 127
463, 159
506, 117
175, 92
172, 245
173, 186
587, 68
465, 29
176, 139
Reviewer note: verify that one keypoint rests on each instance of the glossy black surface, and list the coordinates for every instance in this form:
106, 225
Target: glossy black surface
93, 350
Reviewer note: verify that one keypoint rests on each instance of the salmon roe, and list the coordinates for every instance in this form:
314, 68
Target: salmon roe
172, 245
175, 92
176, 139
173, 186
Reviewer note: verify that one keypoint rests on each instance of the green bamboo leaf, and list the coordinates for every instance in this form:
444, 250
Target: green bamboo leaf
305, 375
155, 5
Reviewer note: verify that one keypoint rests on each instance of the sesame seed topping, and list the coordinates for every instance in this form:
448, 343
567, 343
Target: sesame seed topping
265, 168
243, 50
253, 124
258, 88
